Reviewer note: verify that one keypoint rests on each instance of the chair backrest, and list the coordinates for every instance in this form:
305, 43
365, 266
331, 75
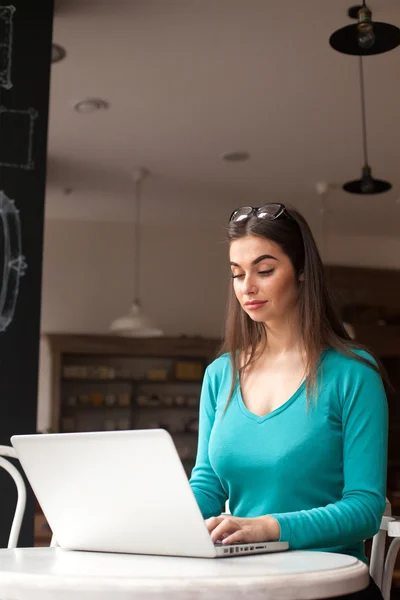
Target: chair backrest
9, 452
382, 563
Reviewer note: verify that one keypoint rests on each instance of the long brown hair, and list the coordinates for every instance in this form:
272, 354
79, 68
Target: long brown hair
321, 326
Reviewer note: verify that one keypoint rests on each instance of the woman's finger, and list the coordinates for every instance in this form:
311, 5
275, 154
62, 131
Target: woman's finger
213, 522
225, 528
236, 537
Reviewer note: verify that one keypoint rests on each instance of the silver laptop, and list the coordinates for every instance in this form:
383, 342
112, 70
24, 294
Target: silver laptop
120, 491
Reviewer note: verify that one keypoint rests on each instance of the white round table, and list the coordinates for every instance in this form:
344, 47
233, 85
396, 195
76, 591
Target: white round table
53, 573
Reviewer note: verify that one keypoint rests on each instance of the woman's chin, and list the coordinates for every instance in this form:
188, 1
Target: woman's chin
257, 316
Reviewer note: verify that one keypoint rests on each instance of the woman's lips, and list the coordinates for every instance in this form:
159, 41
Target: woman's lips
255, 305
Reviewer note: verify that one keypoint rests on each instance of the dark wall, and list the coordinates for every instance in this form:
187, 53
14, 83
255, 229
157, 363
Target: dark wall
25, 55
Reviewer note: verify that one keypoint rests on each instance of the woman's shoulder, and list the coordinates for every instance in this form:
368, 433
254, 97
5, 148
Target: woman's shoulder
350, 366
220, 369
350, 360
219, 365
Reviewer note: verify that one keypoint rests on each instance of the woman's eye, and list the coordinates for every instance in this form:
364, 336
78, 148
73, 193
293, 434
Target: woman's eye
241, 275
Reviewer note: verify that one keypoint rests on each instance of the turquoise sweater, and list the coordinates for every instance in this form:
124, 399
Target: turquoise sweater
319, 471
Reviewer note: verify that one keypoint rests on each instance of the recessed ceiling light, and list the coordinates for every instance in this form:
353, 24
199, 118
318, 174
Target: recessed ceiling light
237, 156
90, 105
57, 53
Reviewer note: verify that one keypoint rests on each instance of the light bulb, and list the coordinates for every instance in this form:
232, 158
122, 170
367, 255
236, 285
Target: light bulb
367, 186
365, 29
367, 183
366, 36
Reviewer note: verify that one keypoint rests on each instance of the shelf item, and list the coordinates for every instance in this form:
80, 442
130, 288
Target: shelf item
188, 371
96, 398
84, 399
88, 372
155, 400
130, 380
175, 371
89, 408
111, 400
157, 374
124, 399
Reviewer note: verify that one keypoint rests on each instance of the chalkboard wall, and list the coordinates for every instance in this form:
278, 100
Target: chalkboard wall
25, 57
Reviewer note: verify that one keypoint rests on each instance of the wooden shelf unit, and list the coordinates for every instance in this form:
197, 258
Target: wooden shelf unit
102, 348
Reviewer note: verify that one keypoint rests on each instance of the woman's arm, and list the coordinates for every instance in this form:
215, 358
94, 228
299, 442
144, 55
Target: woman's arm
205, 484
358, 514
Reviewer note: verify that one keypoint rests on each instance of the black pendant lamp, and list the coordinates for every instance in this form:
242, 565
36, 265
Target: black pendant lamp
366, 37
367, 184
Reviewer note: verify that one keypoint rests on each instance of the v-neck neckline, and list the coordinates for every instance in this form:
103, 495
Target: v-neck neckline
281, 408
272, 413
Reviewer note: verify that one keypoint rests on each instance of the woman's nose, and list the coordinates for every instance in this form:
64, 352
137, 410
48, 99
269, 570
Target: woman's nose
249, 286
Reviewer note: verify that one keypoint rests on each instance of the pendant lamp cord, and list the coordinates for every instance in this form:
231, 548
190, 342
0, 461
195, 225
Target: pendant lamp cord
363, 117
138, 208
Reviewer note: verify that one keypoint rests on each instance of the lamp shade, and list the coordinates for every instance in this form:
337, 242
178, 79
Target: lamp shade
344, 40
367, 184
135, 324
378, 186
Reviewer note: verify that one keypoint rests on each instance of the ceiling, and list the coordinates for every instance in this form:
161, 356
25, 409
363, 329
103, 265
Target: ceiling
187, 80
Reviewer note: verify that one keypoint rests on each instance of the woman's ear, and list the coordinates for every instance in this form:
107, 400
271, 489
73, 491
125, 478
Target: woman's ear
301, 276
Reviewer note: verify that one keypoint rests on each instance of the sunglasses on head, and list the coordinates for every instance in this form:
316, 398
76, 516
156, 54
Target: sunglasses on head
270, 211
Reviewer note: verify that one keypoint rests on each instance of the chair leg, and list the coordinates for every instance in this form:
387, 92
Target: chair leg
389, 568
378, 557
21, 502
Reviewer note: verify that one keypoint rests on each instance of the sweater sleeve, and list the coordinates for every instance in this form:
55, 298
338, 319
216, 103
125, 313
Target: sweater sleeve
357, 515
205, 484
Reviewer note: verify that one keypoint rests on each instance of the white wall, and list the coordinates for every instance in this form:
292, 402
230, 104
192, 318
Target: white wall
363, 251
88, 278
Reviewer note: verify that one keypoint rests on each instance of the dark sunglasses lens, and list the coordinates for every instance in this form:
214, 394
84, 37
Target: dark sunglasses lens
241, 214
269, 211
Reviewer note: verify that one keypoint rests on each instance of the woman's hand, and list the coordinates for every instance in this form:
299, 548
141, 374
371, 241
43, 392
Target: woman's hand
231, 530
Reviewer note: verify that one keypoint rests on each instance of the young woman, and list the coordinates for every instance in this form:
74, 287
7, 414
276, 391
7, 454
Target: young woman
293, 413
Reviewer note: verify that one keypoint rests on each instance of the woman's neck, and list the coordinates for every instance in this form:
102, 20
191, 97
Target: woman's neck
283, 338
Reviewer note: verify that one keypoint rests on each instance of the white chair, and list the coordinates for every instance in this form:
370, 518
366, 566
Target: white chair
21, 490
382, 563
21, 498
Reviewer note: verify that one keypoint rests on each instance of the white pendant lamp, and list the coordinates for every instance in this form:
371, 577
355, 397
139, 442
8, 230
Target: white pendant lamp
135, 323
350, 330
